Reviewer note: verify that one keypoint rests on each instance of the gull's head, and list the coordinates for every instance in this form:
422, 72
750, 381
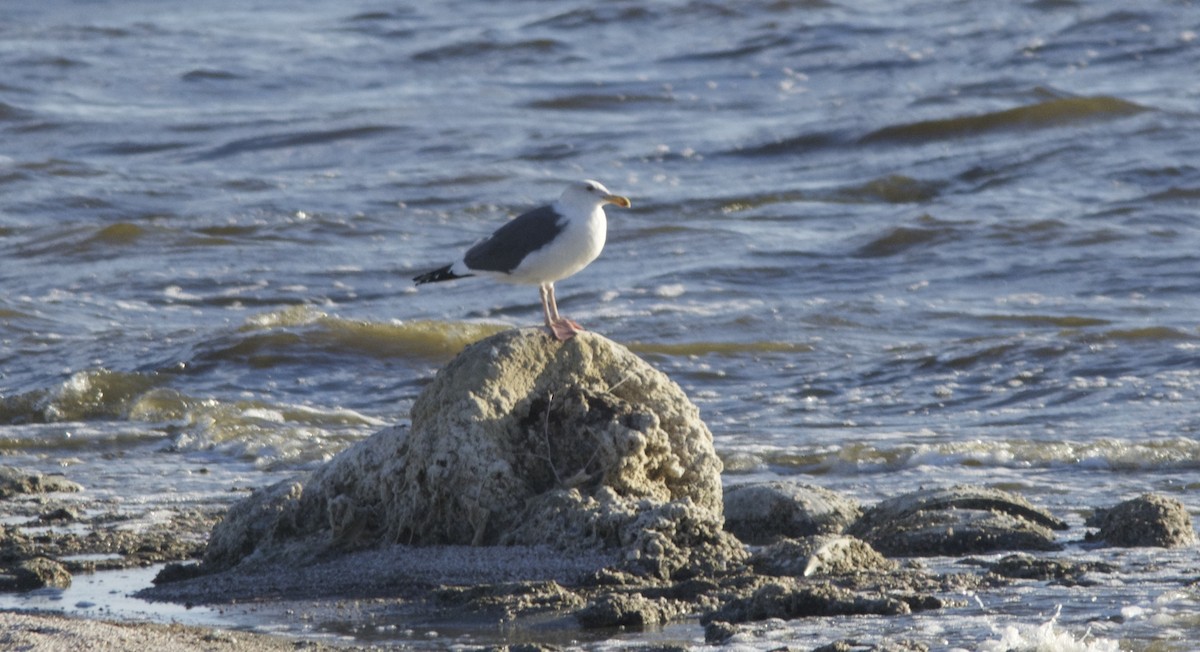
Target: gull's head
591, 194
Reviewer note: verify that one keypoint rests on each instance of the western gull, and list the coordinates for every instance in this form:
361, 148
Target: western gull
544, 245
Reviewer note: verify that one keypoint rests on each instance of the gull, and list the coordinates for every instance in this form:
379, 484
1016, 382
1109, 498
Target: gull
544, 245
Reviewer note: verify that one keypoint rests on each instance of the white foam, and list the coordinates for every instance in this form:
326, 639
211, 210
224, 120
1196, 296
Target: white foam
177, 293
670, 291
1047, 637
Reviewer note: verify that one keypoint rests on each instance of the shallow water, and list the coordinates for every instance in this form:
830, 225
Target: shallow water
881, 245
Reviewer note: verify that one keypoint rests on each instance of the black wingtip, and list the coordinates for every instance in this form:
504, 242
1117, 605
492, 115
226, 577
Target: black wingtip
438, 275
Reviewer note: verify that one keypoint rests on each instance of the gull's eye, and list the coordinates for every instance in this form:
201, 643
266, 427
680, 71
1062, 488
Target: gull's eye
591, 188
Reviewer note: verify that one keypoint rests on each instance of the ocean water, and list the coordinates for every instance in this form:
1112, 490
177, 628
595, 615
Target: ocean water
881, 244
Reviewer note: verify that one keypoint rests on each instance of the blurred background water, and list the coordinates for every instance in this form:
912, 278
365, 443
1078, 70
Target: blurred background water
880, 244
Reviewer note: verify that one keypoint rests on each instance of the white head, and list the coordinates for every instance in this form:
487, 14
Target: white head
588, 195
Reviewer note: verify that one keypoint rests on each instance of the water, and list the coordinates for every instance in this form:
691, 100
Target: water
880, 244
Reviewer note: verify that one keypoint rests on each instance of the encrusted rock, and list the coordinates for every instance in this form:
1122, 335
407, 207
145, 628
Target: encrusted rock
510, 597
957, 520
882, 646
782, 600
719, 631
1148, 520
523, 647
15, 481
521, 439
631, 611
1062, 571
60, 515
35, 573
820, 555
836, 646
760, 513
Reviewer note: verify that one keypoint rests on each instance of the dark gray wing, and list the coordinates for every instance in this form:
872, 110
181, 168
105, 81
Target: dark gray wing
511, 243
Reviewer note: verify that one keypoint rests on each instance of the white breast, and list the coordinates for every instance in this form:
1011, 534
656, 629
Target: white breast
576, 246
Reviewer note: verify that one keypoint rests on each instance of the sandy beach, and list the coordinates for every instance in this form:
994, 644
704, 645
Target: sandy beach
45, 632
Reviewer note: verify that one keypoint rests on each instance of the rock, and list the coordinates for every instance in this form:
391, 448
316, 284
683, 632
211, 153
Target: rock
1149, 520
631, 611
836, 646
14, 481
883, 646
35, 573
510, 598
60, 515
1061, 571
821, 555
718, 632
761, 513
520, 440
177, 572
954, 521
780, 600
899, 646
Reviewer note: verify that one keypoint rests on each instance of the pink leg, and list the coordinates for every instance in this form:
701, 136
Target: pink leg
563, 328
544, 290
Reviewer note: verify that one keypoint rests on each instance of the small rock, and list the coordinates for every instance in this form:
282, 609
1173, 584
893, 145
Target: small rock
622, 610
1149, 520
62, 514
883, 646
900, 646
14, 481
1063, 571
954, 521
836, 646
523, 647
525, 596
778, 600
761, 513
719, 631
35, 573
686, 591
177, 572
819, 555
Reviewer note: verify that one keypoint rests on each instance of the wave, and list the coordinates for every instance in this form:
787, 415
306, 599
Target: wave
536, 49
208, 74
898, 240
105, 407
888, 189
292, 139
1174, 454
89, 242
135, 148
588, 17
268, 434
1059, 321
86, 395
11, 113
891, 189
300, 331
291, 333
717, 348
1148, 333
1042, 115
597, 101
795, 145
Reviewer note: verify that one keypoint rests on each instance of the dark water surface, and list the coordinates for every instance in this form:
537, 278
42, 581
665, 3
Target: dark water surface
880, 244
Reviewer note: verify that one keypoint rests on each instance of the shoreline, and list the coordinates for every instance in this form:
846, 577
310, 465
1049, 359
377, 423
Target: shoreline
484, 597
42, 630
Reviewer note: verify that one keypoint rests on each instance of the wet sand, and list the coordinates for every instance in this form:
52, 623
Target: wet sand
51, 632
